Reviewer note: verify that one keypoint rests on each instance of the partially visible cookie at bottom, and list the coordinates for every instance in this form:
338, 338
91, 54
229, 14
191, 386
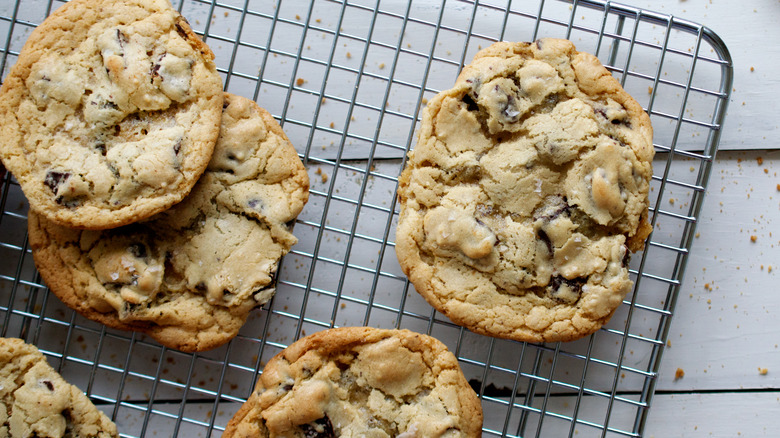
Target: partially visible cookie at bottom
189, 276
36, 401
361, 381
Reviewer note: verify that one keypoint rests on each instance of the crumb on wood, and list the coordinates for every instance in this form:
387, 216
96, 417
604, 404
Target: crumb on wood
679, 374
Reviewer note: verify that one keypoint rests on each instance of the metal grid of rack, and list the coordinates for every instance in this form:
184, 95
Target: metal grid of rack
347, 80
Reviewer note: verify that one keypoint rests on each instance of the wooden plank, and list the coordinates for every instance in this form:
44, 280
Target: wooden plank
721, 415
725, 326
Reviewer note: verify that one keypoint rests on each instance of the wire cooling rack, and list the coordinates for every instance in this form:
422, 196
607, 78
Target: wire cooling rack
347, 80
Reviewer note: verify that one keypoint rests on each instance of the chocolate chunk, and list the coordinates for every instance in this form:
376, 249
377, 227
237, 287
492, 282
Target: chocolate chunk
181, 31
471, 105
101, 147
201, 287
155, 72
138, 250
558, 284
121, 38
54, 179
538, 44
626, 257
255, 204
177, 147
546, 239
49, 385
321, 428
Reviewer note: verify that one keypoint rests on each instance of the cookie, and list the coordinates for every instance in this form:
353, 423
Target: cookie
526, 193
189, 276
111, 112
357, 382
36, 401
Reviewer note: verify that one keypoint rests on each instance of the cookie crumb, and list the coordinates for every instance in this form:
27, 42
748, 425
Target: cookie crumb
382, 66
752, 69
753, 238
649, 90
671, 201
349, 55
763, 371
679, 374
297, 17
669, 343
760, 161
332, 125
300, 81
324, 178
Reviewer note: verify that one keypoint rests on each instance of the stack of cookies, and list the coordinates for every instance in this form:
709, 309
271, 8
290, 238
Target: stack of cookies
158, 203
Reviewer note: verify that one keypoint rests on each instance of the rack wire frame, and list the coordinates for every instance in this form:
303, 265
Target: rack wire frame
347, 81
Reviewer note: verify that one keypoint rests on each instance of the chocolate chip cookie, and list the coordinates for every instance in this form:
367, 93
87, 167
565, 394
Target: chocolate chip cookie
111, 112
526, 193
35, 401
361, 381
189, 276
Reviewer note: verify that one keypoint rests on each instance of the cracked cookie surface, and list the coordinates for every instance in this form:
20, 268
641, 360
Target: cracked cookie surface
189, 276
526, 193
36, 401
361, 382
111, 112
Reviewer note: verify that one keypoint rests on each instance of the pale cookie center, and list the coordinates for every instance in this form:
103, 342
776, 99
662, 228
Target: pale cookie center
137, 276
606, 192
454, 229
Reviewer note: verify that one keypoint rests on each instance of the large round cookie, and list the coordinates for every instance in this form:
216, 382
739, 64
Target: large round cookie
111, 112
190, 275
525, 194
35, 401
361, 382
